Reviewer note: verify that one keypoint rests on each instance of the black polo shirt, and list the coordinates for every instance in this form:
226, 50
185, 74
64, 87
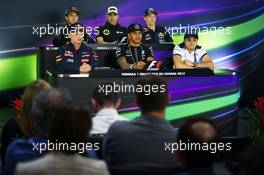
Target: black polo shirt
134, 54
156, 37
112, 33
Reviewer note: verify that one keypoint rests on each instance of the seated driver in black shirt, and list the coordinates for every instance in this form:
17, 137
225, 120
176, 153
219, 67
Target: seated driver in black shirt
133, 55
112, 32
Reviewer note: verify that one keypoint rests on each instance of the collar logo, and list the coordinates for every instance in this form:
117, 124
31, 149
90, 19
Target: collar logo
148, 36
161, 34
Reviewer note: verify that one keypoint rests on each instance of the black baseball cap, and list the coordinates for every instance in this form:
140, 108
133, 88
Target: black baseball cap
149, 11
134, 27
72, 9
190, 34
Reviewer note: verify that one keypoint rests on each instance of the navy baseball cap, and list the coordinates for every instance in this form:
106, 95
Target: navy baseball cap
72, 9
134, 27
190, 34
149, 11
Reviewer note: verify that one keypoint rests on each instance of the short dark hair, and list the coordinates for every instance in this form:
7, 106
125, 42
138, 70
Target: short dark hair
103, 98
44, 104
70, 124
154, 101
27, 120
190, 34
187, 134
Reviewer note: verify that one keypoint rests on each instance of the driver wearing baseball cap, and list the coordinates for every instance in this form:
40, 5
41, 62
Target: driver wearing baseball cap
133, 55
112, 32
72, 15
154, 34
189, 55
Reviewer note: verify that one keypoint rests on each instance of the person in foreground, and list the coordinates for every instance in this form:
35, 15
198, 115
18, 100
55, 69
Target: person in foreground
138, 145
199, 131
24, 125
69, 126
22, 150
106, 105
251, 160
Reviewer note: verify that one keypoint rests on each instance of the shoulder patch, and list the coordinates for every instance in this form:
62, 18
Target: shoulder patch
58, 58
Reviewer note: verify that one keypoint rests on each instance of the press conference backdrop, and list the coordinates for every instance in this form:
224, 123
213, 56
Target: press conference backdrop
232, 31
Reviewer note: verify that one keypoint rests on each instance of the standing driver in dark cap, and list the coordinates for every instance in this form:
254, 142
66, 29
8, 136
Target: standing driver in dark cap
72, 15
154, 34
112, 32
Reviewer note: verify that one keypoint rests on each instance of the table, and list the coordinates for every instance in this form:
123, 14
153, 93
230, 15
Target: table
194, 93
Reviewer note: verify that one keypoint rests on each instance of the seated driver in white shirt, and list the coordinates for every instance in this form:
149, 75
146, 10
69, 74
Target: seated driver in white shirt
189, 55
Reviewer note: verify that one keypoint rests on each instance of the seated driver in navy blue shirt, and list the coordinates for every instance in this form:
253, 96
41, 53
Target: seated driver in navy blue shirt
75, 56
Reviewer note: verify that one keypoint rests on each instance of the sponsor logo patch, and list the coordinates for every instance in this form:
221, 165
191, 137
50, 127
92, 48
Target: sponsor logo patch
106, 32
